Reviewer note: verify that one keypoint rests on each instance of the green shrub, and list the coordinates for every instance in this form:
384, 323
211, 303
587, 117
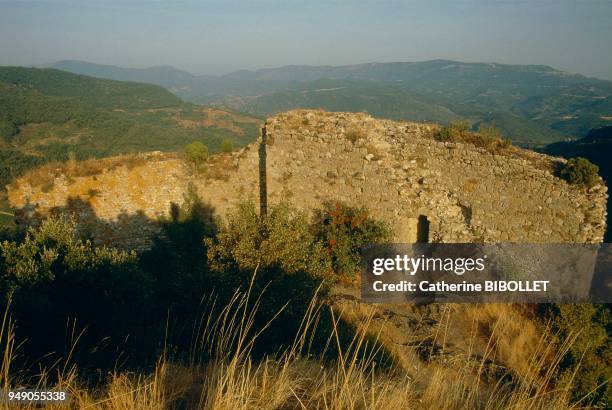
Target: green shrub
444, 134
587, 366
452, 132
49, 252
344, 230
7, 129
52, 279
278, 258
281, 239
196, 153
580, 171
494, 137
460, 126
227, 145
505, 143
488, 137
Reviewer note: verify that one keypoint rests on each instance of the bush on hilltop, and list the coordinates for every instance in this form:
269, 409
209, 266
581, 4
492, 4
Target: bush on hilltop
196, 153
227, 145
580, 171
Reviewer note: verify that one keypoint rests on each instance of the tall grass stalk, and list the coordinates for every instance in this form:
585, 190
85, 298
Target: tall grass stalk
221, 373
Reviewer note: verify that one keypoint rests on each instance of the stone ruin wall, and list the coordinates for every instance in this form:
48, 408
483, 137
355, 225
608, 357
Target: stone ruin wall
459, 192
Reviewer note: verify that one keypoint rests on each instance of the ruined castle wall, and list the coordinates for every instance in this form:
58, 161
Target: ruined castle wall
456, 191
400, 173
123, 206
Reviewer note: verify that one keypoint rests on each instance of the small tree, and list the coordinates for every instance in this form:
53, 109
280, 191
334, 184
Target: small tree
580, 171
196, 153
227, 145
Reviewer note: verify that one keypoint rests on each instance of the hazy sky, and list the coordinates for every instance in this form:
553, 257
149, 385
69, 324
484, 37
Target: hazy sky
223, 35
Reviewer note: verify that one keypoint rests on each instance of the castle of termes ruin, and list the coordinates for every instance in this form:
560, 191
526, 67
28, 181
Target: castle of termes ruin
427, 190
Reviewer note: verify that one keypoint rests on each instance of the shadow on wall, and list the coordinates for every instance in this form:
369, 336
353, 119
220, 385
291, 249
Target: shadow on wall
129, 313
135, 231
122, 307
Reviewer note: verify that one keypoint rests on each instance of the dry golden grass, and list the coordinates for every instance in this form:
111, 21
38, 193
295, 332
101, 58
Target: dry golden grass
46, 174
219, 167
294, 379
459, 132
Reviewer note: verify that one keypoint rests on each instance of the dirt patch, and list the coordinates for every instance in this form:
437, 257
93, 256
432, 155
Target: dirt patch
215, 117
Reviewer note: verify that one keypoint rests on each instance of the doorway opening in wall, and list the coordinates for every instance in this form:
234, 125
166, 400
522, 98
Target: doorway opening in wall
423, 229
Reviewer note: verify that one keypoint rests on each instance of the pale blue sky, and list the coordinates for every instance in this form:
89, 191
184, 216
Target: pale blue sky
223, 35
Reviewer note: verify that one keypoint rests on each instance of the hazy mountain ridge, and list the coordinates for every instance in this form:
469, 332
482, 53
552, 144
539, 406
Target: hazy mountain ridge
166, 76
101, 93
538, 103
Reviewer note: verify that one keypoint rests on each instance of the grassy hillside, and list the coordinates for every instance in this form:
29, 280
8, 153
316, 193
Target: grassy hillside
48, 115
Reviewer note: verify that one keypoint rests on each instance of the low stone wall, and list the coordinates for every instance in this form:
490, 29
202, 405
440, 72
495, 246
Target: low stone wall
426, 189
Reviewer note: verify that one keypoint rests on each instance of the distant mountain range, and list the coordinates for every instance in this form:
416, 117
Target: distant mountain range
532, 104
166, 76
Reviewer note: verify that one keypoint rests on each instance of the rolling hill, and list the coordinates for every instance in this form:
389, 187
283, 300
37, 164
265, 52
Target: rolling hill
532, 104
176, 80
346, 95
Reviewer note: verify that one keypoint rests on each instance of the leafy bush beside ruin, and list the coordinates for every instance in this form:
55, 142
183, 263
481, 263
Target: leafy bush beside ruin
196, 153
344, 230
453, 132
227, 145
282, 239
580, 171
54, 280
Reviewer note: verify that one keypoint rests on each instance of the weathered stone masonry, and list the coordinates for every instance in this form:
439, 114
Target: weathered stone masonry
447, 192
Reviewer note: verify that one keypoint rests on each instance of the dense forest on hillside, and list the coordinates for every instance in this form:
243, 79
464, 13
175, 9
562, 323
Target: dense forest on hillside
48, 115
